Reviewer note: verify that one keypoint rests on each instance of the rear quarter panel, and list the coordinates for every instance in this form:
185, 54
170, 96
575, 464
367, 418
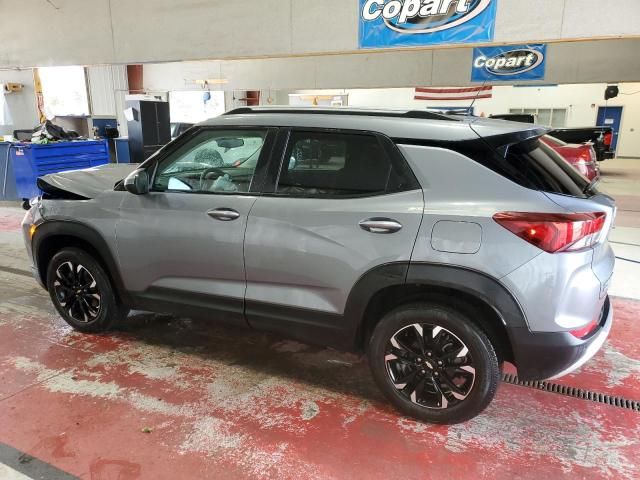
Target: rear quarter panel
458, 189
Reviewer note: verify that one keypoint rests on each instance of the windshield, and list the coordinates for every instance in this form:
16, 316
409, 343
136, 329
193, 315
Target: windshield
219, 153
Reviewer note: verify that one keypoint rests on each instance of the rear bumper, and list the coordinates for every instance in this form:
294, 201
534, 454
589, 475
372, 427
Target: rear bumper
541, 356
601, 156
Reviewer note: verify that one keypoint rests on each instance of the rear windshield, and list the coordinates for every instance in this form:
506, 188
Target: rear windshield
545, 169
555, 141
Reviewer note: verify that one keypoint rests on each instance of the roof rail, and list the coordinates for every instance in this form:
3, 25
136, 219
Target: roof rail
419, 114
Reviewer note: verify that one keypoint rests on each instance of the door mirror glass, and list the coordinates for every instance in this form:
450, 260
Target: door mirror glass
137, 182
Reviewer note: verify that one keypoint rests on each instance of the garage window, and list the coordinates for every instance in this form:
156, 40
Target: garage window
553, 117
320, 164
64, 91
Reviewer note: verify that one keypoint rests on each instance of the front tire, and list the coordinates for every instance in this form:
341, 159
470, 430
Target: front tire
433, 363
82, 292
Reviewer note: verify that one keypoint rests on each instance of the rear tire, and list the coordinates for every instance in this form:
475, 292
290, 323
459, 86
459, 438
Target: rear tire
433, 363
82, 292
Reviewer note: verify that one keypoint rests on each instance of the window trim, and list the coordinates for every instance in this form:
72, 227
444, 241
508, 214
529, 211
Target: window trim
259, 174
391, 151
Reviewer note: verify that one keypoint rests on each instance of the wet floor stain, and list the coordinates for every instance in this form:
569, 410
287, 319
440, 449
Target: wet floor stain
103, 469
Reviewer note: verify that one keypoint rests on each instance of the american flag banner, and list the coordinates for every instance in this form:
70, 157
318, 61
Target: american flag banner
465, 93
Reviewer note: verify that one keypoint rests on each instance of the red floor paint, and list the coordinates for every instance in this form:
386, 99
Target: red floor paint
224, 403
10, 221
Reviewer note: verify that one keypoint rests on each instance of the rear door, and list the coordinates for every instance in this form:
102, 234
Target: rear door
340, 204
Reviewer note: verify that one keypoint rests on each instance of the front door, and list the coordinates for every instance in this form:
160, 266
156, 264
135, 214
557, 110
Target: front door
180, 246
344, 203
611, 117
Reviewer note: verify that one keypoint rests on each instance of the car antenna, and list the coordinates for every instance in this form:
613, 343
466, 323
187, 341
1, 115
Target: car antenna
480, 90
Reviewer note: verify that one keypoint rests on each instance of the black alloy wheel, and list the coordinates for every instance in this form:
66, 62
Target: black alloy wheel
77, 292
82, 292
430, 365
433, 362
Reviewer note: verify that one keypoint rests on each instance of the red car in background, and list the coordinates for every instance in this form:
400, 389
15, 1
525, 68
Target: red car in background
581, 156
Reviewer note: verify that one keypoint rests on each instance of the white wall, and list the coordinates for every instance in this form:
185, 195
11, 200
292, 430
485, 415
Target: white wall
21, 105
580, 100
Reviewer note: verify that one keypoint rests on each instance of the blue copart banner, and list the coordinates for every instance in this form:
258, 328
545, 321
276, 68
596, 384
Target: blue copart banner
508, 63
407, 23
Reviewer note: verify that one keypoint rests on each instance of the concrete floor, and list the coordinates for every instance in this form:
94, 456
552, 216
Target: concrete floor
174, 398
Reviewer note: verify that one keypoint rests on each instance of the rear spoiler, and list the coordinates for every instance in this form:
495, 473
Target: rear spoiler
501, 143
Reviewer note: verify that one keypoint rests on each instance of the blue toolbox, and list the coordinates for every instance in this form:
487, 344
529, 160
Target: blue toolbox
30, 161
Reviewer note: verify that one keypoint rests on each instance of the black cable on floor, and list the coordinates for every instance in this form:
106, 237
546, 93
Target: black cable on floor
628, 260
625, 243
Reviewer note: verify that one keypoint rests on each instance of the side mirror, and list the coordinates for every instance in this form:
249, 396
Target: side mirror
137, 182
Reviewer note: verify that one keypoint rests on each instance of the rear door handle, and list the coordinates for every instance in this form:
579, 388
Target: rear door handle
380, 225
224, 214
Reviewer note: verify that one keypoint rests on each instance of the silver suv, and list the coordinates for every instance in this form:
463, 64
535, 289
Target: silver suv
442, 246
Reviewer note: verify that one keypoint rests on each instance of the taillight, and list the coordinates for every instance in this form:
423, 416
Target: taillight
586, 157
607, 139
554, 232
586, 330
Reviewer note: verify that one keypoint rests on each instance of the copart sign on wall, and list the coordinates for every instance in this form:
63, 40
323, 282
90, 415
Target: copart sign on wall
406, 23
513, 62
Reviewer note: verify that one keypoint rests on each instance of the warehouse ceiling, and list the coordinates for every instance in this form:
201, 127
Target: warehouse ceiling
57, 32
594, 61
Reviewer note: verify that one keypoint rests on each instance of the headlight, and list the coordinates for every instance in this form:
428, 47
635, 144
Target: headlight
27, 204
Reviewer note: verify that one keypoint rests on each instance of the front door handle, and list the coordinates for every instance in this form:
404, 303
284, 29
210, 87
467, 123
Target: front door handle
223, 214
380, 225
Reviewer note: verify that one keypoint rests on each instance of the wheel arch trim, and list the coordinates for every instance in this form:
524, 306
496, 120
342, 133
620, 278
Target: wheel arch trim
50, 229
482, 287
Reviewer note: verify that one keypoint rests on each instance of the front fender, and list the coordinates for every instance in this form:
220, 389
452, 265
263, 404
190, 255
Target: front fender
54, 234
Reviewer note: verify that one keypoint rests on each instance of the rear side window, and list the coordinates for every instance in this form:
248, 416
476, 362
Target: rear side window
545, 169
341, 165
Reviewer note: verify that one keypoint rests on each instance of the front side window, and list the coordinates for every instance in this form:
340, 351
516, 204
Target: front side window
213, 161
335, 165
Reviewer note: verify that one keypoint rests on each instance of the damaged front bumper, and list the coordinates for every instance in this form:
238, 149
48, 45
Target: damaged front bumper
30, 223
